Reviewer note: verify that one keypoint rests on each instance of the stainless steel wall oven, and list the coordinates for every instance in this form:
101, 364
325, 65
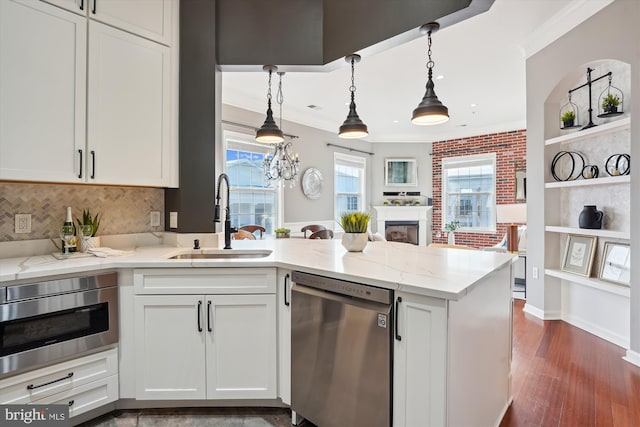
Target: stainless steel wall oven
44, 322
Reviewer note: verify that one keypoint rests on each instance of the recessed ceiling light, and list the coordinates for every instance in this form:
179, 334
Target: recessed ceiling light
396, 121
474, 105
440, 77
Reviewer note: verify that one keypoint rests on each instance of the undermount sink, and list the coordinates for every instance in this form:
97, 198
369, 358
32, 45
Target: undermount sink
223, 254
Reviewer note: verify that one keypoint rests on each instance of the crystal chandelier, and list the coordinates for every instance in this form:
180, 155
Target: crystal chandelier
282, 164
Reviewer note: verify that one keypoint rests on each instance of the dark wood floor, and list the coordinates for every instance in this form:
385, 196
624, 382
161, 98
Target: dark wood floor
564, 376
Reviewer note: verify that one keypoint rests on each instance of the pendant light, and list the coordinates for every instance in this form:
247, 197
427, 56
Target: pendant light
353, 127
430, 111
269, 133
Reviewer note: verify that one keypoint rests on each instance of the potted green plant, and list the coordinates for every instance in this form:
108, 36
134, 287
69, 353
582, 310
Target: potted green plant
282, 233
355, 235
568, 118
88, 227
610, 103
450, 228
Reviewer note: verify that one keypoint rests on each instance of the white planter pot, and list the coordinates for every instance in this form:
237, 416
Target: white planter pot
355, 242
87, 243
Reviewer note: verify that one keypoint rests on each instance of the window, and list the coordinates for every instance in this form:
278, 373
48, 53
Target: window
349, 183
253, 200
468, 192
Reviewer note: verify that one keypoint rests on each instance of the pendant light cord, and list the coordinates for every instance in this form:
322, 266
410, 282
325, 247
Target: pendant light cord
352, 88
269, 90
430, 63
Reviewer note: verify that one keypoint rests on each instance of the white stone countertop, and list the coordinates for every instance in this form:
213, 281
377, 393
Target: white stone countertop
438, 272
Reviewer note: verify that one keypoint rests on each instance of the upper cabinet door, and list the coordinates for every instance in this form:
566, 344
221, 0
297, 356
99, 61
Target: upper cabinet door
42, 92
76, 6
128, 108
146, 18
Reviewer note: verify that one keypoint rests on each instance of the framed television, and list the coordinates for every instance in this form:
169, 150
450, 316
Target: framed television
401, 172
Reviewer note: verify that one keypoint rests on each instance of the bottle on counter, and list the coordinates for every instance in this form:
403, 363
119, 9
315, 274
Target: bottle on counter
68, 234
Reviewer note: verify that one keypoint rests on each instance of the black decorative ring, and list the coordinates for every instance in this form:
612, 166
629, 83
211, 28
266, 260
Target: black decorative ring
576, 170
590, 171
620, 160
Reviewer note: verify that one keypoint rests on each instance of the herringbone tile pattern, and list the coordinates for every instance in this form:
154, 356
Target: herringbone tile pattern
124, 209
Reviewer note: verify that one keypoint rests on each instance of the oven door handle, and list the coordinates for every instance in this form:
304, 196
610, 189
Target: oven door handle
33, 387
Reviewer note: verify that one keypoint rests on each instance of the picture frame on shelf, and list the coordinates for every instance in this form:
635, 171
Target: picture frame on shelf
615, 264
578, 254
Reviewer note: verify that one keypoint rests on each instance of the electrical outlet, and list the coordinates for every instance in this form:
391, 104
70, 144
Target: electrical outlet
155, 218
173, 219
534, 272
23, 223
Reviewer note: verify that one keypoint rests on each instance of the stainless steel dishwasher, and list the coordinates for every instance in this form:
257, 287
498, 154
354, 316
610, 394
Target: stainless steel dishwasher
341, 352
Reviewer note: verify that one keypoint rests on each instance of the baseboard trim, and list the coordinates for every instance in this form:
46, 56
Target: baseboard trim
541, 314
632, 357
596, 330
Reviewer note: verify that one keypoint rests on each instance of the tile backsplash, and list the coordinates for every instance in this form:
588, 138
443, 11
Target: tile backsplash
123, 209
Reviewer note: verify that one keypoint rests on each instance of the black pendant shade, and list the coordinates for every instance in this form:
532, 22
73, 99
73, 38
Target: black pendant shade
353, 127
430, 111
269, 132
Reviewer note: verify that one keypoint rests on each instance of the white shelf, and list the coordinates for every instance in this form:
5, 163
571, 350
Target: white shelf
609, 180
589, 281
589, 232
594, 131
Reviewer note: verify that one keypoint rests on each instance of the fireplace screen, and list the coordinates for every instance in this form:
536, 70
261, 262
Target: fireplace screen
402, 231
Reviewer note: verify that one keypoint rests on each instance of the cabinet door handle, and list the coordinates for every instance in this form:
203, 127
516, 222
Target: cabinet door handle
286, 280
80, 153
209, 328
93, 164
81, 4
93, 8
33, 387
398, 301
199, 319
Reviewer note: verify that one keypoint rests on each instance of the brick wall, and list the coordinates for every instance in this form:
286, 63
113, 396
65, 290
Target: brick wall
510, 149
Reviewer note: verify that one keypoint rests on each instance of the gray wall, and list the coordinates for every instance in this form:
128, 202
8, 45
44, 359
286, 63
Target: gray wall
312, 148
592, 40
421, 152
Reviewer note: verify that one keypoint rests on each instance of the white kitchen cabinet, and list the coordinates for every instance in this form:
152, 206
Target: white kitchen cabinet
86, 102
205, 346
284, 335
42, 92
419, 370
151, 19
128, 108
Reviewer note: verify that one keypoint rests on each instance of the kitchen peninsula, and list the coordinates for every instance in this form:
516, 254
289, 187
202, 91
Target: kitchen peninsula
452, 346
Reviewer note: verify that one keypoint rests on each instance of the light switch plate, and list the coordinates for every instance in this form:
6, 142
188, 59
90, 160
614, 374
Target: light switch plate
23, 223
173, 219
155, 218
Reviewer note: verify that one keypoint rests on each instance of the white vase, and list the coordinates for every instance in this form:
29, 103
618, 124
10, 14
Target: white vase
355, 242
451, 238
87, 243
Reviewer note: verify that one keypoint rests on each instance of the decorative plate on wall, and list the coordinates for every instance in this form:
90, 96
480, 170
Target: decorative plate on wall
312, 183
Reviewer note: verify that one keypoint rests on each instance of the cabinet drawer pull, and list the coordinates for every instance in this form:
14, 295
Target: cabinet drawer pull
209, 328
93, 164
199, 320
80, 153
287, 279
81, 4
398, 301
33, 387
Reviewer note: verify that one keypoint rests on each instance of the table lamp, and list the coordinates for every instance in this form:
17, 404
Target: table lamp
513, 214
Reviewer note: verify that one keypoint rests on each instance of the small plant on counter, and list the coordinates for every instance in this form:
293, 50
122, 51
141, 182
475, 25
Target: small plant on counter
610, 103
87, 219
282, 232
354, 222
452, 226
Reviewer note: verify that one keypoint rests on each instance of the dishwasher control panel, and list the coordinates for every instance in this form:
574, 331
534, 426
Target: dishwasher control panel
357, 290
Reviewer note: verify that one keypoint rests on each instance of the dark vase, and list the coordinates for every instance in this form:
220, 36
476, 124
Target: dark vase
590, 217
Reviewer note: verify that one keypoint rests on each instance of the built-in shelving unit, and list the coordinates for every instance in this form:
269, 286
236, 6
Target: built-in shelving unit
611, 234
589, 281
599, 130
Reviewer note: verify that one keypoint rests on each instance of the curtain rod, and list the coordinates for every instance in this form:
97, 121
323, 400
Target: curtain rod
242, 125
349, 148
